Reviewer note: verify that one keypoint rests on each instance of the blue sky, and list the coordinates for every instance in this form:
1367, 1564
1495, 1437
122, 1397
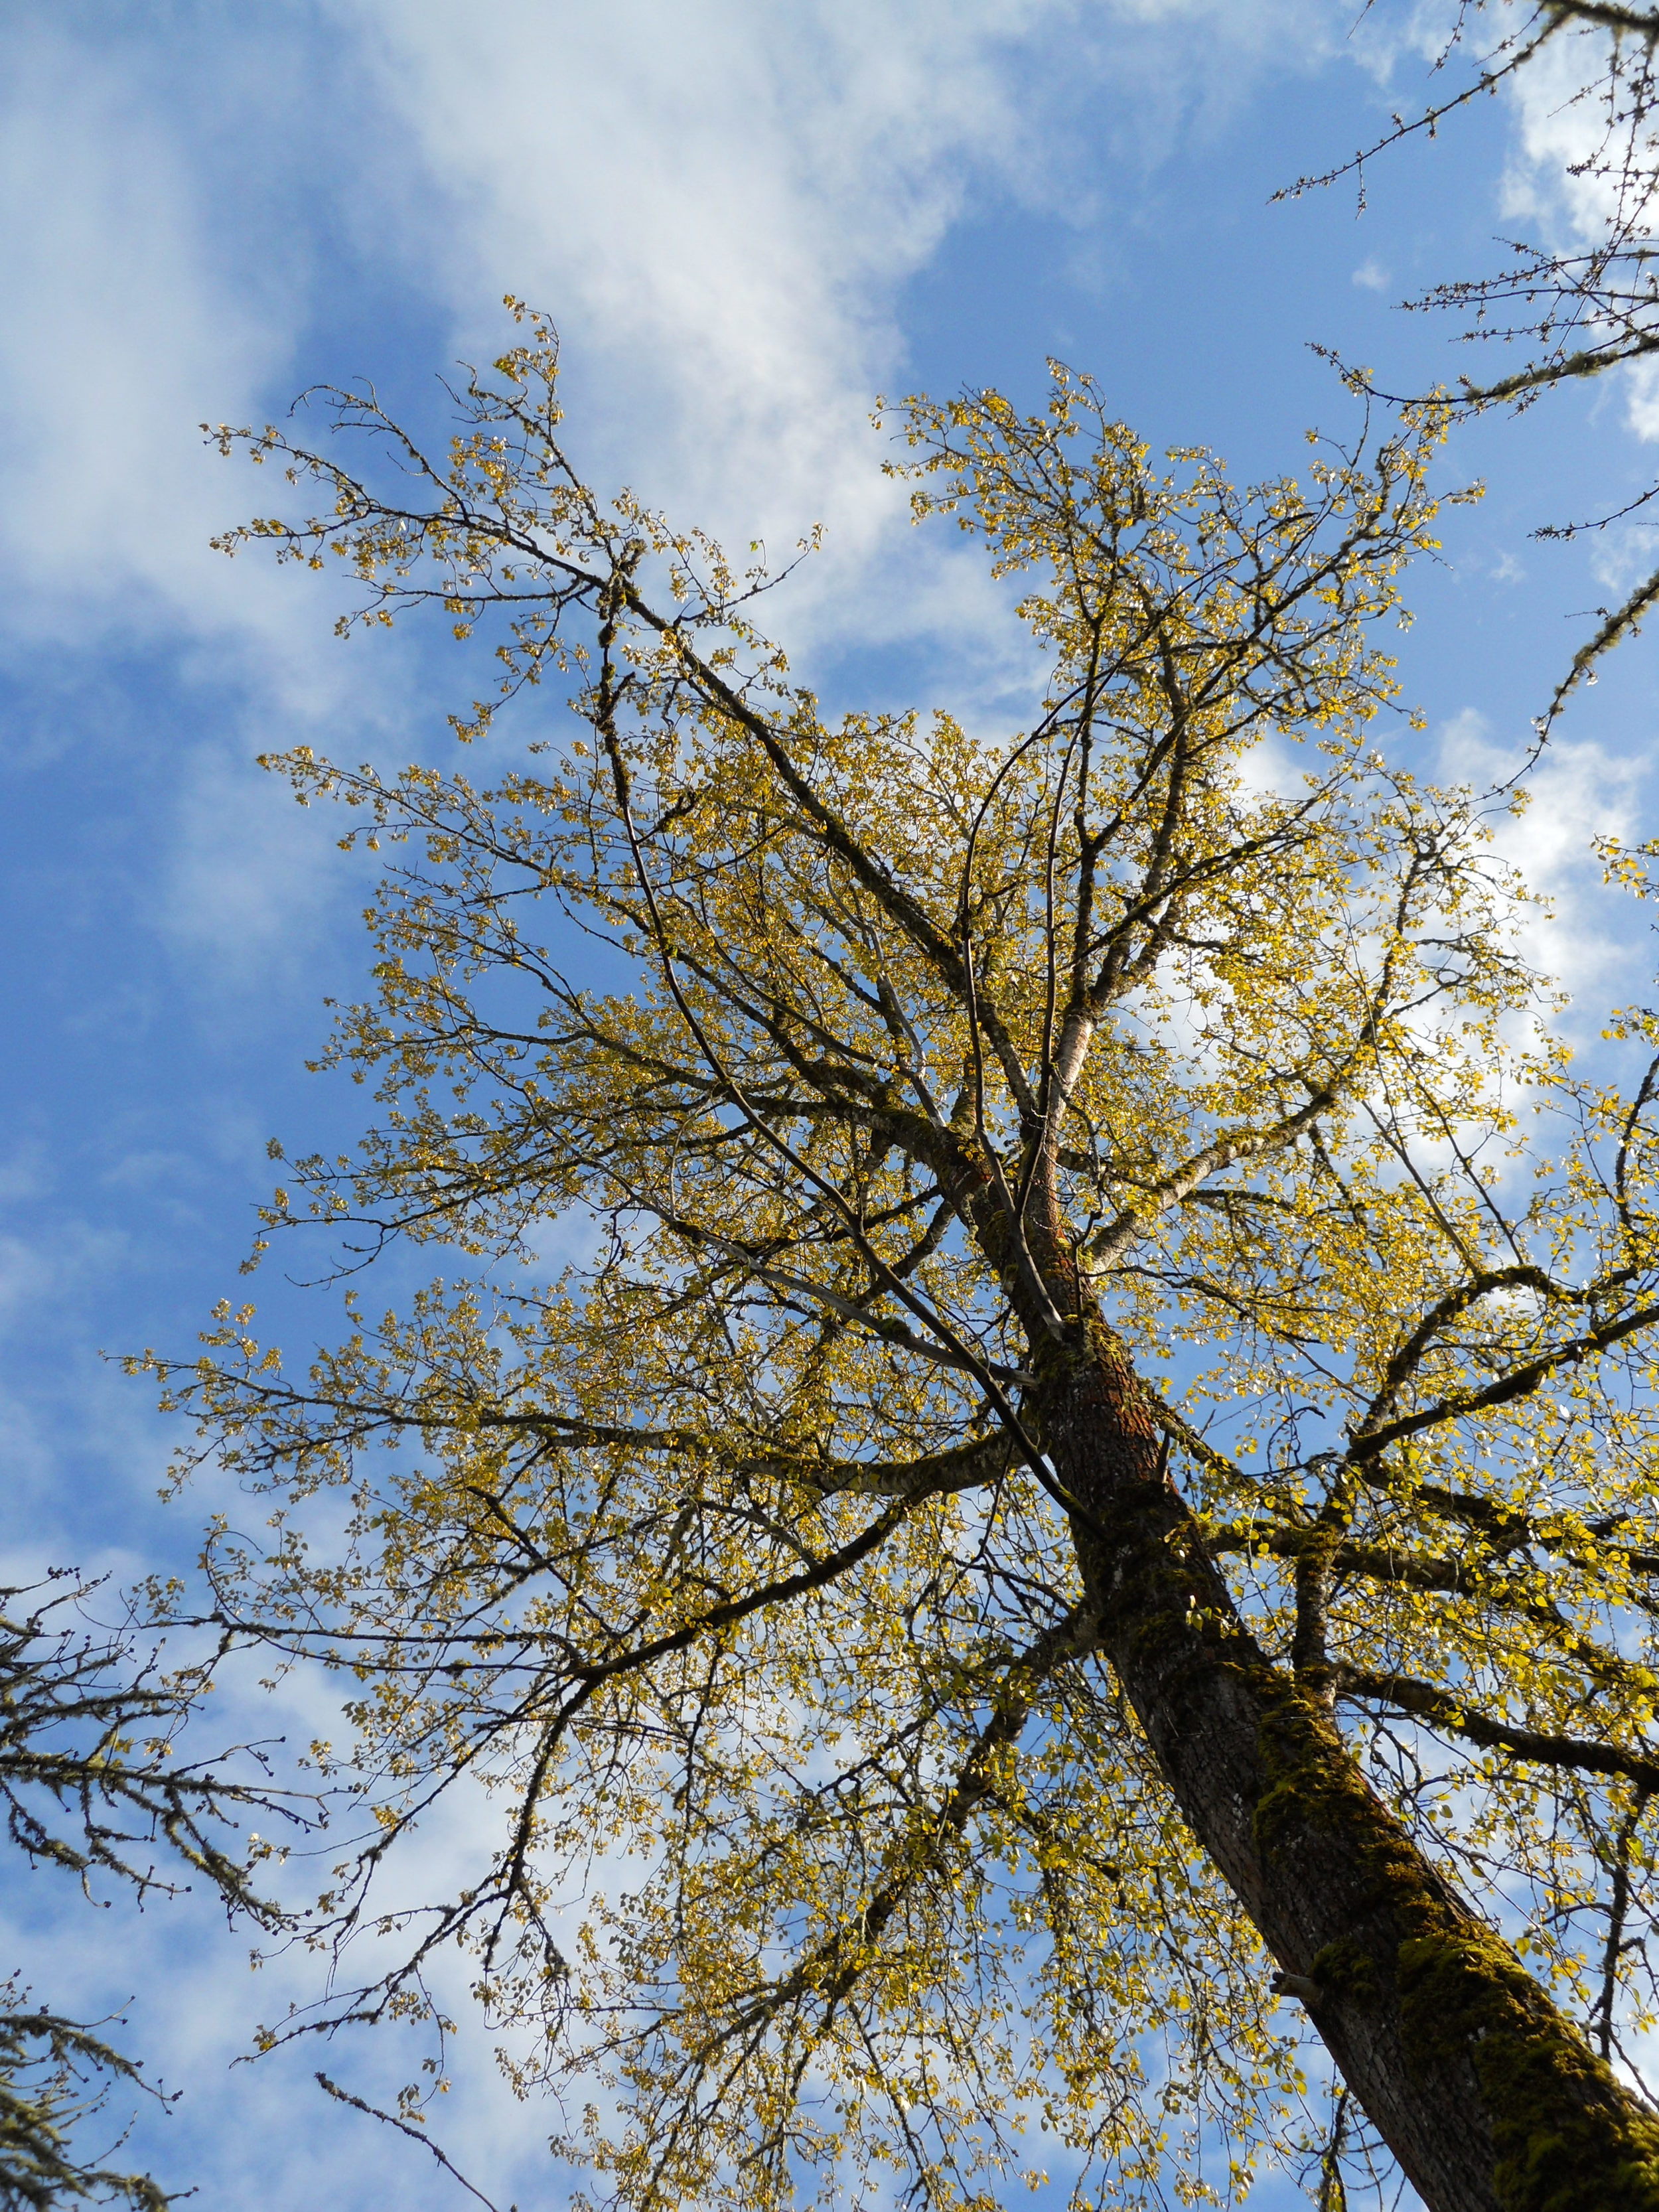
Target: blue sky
748, 220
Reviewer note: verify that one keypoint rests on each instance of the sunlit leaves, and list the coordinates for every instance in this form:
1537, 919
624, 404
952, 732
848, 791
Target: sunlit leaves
706, 1521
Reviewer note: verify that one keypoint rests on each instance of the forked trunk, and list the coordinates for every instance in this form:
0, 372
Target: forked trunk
1487, 2096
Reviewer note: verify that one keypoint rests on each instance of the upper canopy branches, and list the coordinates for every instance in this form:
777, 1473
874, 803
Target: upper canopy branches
1578, 296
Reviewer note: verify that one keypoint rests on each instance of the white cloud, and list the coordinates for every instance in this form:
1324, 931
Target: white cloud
1559, 125
118, 337
128, 323
1621, 556
1558, 181
721, 205
1642, 406
1578, 791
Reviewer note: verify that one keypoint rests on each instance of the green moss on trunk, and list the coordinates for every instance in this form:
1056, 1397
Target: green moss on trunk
1567, 2136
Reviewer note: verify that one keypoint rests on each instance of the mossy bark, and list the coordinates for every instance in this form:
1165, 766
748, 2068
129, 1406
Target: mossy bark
1487, 2096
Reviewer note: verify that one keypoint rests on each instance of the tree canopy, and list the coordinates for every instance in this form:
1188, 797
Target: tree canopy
1028, 1477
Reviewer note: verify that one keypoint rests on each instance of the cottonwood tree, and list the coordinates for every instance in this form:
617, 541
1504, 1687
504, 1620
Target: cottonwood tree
1572, 310
94, 1781
1032, 1466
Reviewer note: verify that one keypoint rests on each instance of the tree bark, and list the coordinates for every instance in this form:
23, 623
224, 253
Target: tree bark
1485, 2093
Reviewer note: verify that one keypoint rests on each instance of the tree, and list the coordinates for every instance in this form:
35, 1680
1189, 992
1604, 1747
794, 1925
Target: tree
1095, 1444
91, 1781
1575, 311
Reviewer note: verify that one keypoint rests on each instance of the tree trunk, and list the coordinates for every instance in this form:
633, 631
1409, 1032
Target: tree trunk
1486, 2095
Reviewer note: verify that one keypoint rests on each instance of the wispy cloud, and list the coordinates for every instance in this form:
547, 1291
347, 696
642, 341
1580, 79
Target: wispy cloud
722, 210
1579, 792
722, 206
120, 335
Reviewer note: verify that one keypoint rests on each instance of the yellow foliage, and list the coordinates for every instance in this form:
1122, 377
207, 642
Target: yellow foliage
728, 1551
